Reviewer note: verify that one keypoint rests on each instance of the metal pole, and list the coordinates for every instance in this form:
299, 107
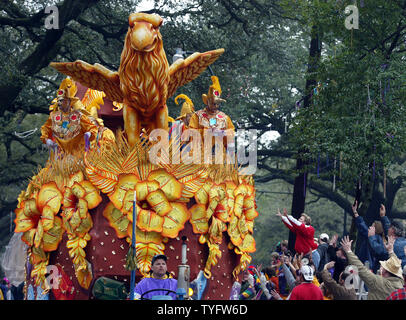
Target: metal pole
132, 283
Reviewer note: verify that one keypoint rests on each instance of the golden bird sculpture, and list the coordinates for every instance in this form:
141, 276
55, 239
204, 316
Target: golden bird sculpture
144, 80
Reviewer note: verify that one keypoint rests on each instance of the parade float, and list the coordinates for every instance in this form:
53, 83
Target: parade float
100, 195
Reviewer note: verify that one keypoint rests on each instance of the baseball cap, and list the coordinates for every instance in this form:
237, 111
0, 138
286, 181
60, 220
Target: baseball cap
324, 237
158, 256
307, 273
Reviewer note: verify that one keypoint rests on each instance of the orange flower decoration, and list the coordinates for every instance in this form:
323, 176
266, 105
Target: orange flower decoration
242, 219
210, 216
36, 217
157, 210
212, 205
79, 197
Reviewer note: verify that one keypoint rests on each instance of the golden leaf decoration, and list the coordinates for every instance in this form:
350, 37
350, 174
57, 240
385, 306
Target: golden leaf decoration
117, 220
145, 252
212, 259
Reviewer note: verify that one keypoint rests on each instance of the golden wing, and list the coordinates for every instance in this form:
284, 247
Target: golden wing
93, 98
184, 71
92, 76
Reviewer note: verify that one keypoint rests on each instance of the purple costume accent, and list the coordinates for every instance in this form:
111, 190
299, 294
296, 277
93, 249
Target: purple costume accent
150, 283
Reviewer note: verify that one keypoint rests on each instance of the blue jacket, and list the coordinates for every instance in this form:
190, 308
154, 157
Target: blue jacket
379, 251
399, 244
364, 251
399, 250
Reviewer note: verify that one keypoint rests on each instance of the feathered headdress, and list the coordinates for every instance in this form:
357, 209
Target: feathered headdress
67, 89
214, 93
187, 106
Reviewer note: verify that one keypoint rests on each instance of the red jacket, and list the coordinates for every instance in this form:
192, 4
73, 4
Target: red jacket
306, 291
304, 235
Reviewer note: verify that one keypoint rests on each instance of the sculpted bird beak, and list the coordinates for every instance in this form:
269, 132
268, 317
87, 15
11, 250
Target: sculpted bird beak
143, 36
218, 100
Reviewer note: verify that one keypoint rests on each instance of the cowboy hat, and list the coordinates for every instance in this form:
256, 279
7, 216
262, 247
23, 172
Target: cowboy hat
393, 265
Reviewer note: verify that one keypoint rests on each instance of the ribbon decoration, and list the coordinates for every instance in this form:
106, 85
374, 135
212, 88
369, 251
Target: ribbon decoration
87, 141
373, 167
304, 185
369, 101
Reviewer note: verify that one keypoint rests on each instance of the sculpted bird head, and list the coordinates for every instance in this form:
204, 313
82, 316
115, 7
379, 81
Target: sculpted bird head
144, 69
144, 31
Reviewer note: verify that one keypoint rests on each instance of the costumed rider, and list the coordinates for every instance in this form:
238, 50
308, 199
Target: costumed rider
186, 112
181, 123
211, 120
67, 126
159, 278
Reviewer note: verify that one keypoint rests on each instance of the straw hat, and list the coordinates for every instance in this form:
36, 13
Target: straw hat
393, 265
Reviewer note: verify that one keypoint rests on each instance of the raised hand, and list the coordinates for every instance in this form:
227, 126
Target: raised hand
258, 271
391, 242
346, 244
382, 210
275, 295
333, 241
354, 209
279, 214
285, 259
329, 265
294, 261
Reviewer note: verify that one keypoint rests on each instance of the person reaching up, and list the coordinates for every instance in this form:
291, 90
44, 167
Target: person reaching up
304, 233
380, 286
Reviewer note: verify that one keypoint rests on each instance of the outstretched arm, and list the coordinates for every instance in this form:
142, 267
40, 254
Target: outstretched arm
330, 283
290, 279
365, 274
285, 220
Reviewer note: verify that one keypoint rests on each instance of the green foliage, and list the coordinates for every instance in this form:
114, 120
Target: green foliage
358, 114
